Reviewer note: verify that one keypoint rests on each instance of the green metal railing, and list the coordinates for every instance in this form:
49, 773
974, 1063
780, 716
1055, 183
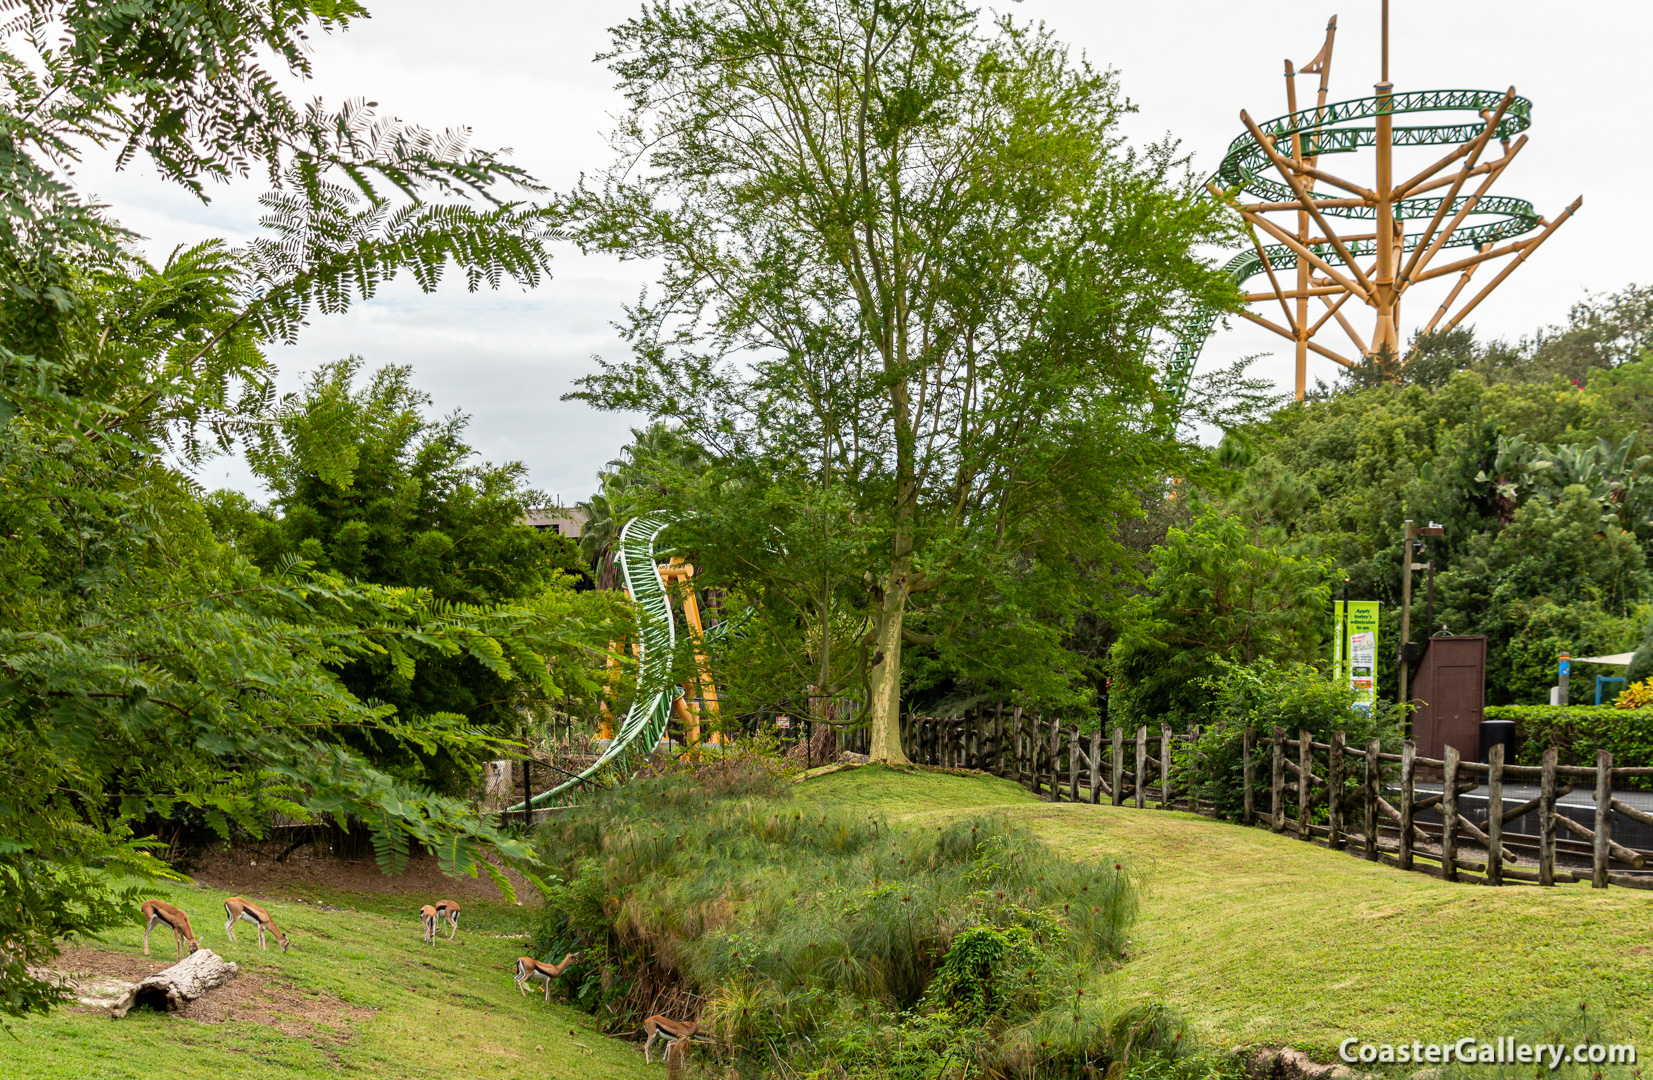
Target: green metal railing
1324, 130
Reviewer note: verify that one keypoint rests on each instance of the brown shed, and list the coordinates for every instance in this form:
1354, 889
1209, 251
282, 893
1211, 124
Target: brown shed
1449, 690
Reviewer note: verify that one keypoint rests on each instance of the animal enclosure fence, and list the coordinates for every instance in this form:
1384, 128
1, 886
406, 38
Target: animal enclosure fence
1363, 800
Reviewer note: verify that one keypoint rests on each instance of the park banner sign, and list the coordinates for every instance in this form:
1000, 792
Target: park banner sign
1354, 649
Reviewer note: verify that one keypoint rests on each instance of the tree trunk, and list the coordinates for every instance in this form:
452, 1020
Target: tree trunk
886, 675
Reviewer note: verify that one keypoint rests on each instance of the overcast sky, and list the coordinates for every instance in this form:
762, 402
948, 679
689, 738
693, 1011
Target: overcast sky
521, 75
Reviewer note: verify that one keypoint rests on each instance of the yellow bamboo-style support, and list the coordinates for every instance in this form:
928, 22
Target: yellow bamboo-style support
1326, 264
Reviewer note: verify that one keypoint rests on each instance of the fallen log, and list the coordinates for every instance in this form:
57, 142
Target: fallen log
183, 982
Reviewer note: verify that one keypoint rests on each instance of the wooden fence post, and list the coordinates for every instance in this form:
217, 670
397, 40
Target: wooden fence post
1334, 790
1495, 814
1546, 819
1016, 744
1073, 764
1096, 766
1141, 766
1192, 793
1055, 760
1164, 766
1604, 812
1247, 738
1118, 795
1277, 783
1408, 770
1305, 770
1373, 773
1449, 813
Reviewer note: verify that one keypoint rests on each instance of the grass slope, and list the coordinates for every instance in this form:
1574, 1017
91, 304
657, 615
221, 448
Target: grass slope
1263, 939
443, 1012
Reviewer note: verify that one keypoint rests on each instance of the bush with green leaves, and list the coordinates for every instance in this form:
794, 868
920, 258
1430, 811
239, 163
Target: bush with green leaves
1578, 731
1265, 695
788, 926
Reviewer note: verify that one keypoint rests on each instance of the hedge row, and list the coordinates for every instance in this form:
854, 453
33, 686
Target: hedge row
1578, 731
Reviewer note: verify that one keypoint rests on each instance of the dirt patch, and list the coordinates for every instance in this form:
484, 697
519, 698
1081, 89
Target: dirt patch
247, 998
254, 873
80, 961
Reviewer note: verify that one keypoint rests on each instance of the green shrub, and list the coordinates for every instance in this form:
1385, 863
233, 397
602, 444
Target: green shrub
1264, 695
1578, 731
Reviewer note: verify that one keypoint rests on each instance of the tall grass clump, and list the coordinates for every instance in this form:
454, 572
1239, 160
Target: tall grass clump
828, 936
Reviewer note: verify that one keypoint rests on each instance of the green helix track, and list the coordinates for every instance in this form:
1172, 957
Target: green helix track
646, 721
1336, 129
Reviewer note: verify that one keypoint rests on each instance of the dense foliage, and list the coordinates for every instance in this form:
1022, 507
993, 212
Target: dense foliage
148, 670
1264, 696
1535, 459
1578, 731
365, 485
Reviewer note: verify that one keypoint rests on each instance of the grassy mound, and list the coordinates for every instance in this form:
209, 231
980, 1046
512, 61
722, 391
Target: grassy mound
823, 938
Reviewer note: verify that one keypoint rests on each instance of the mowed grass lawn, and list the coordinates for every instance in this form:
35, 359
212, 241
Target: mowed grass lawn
402, 1008
1262, 939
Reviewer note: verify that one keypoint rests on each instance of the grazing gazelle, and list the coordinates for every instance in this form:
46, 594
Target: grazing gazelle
428, 915
669, 1031
529, 968
449, 911
159, 911
237, 907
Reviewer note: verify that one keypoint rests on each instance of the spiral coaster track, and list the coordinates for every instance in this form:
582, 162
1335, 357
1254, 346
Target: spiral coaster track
1275, 168
650, 714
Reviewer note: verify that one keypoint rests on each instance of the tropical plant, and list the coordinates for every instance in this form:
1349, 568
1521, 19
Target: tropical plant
1219, 593
144, 666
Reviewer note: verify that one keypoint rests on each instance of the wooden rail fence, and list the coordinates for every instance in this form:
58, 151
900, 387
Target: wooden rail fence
1329, 793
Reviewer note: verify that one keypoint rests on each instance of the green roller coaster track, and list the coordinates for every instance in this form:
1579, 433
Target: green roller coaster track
646, 721
1328, 130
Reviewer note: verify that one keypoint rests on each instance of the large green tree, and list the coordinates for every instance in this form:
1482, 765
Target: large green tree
912, 275
144, 666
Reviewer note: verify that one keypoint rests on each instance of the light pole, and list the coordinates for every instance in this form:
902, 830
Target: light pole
1412, 540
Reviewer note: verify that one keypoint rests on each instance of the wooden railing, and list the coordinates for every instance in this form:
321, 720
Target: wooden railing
1325, 792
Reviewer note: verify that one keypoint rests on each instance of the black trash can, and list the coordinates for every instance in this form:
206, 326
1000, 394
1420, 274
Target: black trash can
1498, 732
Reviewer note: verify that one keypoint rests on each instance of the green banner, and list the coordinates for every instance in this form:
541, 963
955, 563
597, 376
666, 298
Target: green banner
1354, 649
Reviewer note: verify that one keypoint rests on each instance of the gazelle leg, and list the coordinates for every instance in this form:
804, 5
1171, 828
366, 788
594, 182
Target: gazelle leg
229, 929
649, 1042
260, 937
148, 926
